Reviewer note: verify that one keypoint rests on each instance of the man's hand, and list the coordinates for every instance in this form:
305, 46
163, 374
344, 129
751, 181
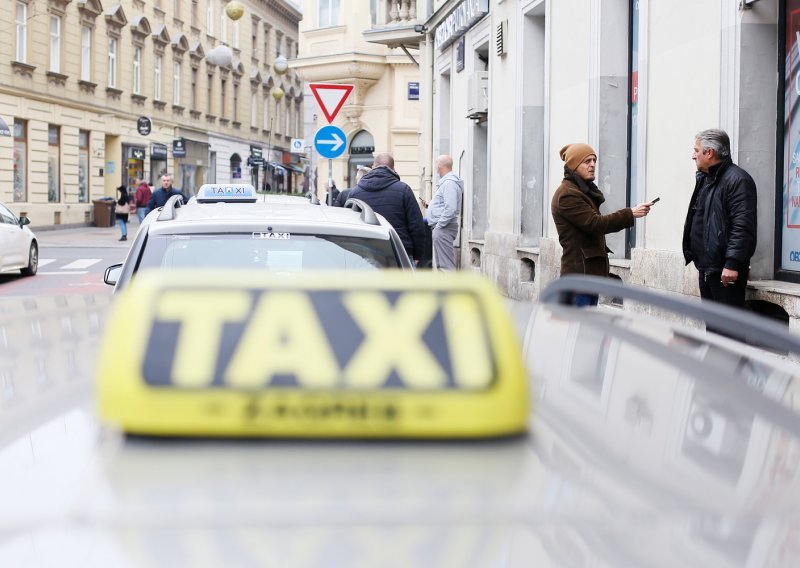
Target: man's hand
641, 210
424, 203
729, 276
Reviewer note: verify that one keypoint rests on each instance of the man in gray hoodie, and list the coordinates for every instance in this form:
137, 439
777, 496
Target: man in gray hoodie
443, 212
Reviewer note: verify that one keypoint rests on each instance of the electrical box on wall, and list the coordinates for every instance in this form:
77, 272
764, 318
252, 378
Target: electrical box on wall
478, 94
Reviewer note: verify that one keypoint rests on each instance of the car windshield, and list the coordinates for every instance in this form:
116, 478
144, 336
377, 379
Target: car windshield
281, 252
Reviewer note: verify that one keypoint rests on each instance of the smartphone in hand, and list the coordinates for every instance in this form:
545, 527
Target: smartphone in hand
656, 200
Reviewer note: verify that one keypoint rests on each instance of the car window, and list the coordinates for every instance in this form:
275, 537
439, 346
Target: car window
292, 254
7, 216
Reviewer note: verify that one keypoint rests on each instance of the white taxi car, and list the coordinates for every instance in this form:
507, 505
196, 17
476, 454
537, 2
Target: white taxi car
230, 226
19, 249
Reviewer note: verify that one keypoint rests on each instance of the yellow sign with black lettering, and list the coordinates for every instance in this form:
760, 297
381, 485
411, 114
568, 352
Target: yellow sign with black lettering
385, 354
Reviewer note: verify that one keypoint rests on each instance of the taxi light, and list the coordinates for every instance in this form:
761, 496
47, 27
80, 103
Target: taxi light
227, 193
334, 355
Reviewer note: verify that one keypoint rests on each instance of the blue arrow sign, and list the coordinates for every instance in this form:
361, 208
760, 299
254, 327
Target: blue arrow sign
330, 141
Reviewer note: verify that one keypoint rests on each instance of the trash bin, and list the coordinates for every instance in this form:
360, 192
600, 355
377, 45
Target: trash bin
104, 212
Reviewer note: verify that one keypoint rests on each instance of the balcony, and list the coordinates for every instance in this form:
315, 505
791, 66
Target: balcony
395, 22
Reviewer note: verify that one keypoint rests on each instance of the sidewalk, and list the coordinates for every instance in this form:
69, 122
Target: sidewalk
87, 236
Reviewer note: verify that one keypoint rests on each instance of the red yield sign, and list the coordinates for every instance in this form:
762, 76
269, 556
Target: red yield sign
331, 97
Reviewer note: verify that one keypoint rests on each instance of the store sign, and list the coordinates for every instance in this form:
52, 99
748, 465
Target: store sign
158, 151
137, 153
144, 125
179, 148
256, 156
459, 21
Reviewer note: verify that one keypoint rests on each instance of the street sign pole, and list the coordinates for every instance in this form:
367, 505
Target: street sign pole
330, 182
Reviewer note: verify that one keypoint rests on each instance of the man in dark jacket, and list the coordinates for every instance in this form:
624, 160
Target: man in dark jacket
382, 190
162, 194
719, 235
582, 229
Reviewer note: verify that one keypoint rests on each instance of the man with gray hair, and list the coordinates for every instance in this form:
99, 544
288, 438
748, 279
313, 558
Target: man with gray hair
445, 207
719, 234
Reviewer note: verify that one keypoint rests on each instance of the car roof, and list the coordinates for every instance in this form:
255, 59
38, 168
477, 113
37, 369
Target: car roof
283, 213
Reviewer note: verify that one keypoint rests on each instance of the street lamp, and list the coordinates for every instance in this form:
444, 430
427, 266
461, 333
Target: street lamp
280, 65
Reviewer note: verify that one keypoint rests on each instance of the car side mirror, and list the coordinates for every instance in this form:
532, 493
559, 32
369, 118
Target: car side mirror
112, 274
24, 221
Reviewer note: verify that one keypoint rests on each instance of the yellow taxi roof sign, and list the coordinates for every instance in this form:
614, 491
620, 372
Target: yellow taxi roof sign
384, 354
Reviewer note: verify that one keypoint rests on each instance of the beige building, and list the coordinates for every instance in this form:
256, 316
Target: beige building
97, 94
382, 113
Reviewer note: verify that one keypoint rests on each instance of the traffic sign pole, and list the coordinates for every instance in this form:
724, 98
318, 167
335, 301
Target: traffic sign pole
330, 182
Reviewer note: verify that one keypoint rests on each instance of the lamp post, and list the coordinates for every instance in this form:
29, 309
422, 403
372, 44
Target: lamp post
280, 66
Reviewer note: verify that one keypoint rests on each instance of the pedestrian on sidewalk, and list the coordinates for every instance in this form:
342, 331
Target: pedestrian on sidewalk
142, 198
443, 213
121, 211
581, 227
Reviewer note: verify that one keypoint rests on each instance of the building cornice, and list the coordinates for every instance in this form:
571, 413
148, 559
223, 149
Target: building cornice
340, 67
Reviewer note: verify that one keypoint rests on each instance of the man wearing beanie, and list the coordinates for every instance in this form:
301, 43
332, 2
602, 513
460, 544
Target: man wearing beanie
582, 229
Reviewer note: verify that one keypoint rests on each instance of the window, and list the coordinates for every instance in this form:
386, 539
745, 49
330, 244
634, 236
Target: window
209, 93
223, 30
20, 160
176, 83
235, 102
137, 70
112, 62
287, 122
22, 33
266, 43
222, 99
194, 89
328, 13
86, 54
278, 43
194, 14
55, 44
235, 39
53, 163
83, 166
157, 70
176, 9
253, 110
210, 17
254, 38
277, 124
266, 113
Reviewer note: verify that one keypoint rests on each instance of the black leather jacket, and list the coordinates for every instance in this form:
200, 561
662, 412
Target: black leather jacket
729, 221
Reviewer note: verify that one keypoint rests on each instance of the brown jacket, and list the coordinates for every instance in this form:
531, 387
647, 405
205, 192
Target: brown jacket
582, 230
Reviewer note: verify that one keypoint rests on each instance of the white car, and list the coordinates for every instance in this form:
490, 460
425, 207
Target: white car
19, 249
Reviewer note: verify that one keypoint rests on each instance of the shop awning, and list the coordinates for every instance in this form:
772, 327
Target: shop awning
295, 168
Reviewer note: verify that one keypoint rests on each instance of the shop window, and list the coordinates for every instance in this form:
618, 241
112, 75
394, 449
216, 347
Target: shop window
53, 164
20, 161
83, 166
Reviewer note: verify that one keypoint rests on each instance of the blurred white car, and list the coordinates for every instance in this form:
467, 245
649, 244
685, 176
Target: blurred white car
19, 249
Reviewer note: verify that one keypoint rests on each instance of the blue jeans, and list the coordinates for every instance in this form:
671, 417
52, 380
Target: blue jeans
140, 211
123, 227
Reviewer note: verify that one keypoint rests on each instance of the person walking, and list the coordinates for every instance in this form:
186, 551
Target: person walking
121, 211
341, 199
582, 229
443, 212
719, 234
160, 196
142, 198
382, 190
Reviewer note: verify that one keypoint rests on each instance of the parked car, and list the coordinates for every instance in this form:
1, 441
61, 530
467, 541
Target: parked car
19, 249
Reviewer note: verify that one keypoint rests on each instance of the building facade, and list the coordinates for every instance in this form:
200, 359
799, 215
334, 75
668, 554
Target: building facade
382, 112
507, 83
96, 95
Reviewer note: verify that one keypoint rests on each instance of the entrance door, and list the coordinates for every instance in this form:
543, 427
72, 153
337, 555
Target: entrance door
362, 146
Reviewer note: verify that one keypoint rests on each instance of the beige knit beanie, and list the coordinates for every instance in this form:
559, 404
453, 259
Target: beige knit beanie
574, 154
